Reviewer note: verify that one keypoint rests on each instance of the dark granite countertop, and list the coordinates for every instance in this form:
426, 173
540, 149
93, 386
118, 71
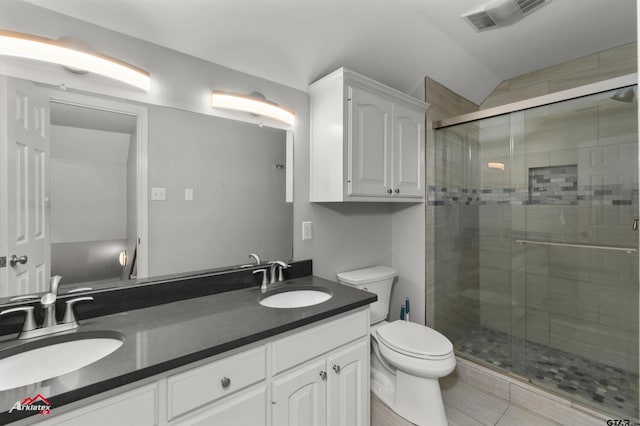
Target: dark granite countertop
164, 337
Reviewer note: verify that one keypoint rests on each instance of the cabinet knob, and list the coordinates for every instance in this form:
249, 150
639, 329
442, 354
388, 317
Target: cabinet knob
336, 368
323, 375
225, 382
389, 191
397, 190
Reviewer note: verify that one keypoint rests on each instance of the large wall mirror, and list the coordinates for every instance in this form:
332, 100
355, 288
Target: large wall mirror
202, 194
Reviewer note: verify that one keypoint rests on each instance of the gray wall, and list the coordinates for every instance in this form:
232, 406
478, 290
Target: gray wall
88, 185
238, 205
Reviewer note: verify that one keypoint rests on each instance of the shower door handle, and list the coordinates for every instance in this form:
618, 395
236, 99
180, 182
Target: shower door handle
635, 223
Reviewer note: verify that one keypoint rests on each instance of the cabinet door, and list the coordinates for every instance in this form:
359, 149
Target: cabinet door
408, 152
138, 407
348, 386
299, 397
369, 144
246, 408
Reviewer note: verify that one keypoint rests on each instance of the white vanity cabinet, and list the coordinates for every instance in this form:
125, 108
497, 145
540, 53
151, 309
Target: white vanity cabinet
324, 386
317, 375
332, 390
367, 141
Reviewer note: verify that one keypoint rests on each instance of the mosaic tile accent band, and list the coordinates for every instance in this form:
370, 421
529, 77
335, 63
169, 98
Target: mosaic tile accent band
606, 388
587, 195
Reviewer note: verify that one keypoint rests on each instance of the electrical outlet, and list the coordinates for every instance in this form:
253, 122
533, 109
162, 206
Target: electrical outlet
307, 231
188, 194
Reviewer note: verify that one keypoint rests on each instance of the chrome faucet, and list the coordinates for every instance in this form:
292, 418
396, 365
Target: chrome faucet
50, 324
256, 258
277, 266
48, 302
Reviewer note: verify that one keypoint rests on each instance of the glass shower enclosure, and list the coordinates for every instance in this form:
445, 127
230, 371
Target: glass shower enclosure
536, 246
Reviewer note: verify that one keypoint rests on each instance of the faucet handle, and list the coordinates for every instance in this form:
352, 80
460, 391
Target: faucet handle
29, 321
69, 316
282, 267
265, 281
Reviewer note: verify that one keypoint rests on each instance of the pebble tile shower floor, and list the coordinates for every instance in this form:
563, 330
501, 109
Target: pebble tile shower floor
604, 387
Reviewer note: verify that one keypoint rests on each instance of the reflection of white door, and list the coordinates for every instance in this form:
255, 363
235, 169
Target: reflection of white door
24, 165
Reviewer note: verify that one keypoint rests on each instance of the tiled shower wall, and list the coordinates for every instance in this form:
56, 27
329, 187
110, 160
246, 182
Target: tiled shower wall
600, 66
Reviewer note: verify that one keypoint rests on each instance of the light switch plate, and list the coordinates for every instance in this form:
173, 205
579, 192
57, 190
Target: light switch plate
307, 231
158, 194
188, 194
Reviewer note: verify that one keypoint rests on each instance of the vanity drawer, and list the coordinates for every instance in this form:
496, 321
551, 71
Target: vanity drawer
194, 388
308, 344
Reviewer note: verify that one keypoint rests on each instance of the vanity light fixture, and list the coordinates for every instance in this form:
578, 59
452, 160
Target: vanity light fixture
252, 104
495, 165
28, 46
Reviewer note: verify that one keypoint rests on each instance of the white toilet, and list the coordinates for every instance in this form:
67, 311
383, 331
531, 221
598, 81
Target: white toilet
407, 358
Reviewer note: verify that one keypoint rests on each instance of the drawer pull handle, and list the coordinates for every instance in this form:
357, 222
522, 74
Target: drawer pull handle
336, 368
323, 375
225, 382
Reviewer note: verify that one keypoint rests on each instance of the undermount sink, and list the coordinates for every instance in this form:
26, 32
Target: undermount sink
296, 298
43, 359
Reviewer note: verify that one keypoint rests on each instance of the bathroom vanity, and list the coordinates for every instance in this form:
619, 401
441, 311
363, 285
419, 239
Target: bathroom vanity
220, 359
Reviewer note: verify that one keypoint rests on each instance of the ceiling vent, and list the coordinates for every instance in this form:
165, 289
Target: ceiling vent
502, 13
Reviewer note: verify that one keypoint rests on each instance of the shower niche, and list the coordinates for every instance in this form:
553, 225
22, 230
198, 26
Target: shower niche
553, 185
537, 271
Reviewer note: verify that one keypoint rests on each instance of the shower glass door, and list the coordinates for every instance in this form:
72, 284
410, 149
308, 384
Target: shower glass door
536, 251
576, 237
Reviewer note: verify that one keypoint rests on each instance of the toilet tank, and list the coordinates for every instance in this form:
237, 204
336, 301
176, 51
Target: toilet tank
378, 280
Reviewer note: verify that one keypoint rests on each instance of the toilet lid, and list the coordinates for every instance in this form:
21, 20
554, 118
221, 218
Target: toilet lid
414, 340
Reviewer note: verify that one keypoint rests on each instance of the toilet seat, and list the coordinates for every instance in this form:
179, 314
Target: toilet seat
414, 340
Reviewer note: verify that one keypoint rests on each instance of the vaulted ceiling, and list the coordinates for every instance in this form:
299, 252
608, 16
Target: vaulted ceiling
398, 42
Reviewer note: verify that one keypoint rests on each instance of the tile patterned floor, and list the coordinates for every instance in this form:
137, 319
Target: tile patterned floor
465, 406
606, 388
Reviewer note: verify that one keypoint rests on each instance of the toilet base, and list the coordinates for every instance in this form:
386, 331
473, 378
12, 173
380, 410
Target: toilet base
416, 399
419, 400
383, 386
